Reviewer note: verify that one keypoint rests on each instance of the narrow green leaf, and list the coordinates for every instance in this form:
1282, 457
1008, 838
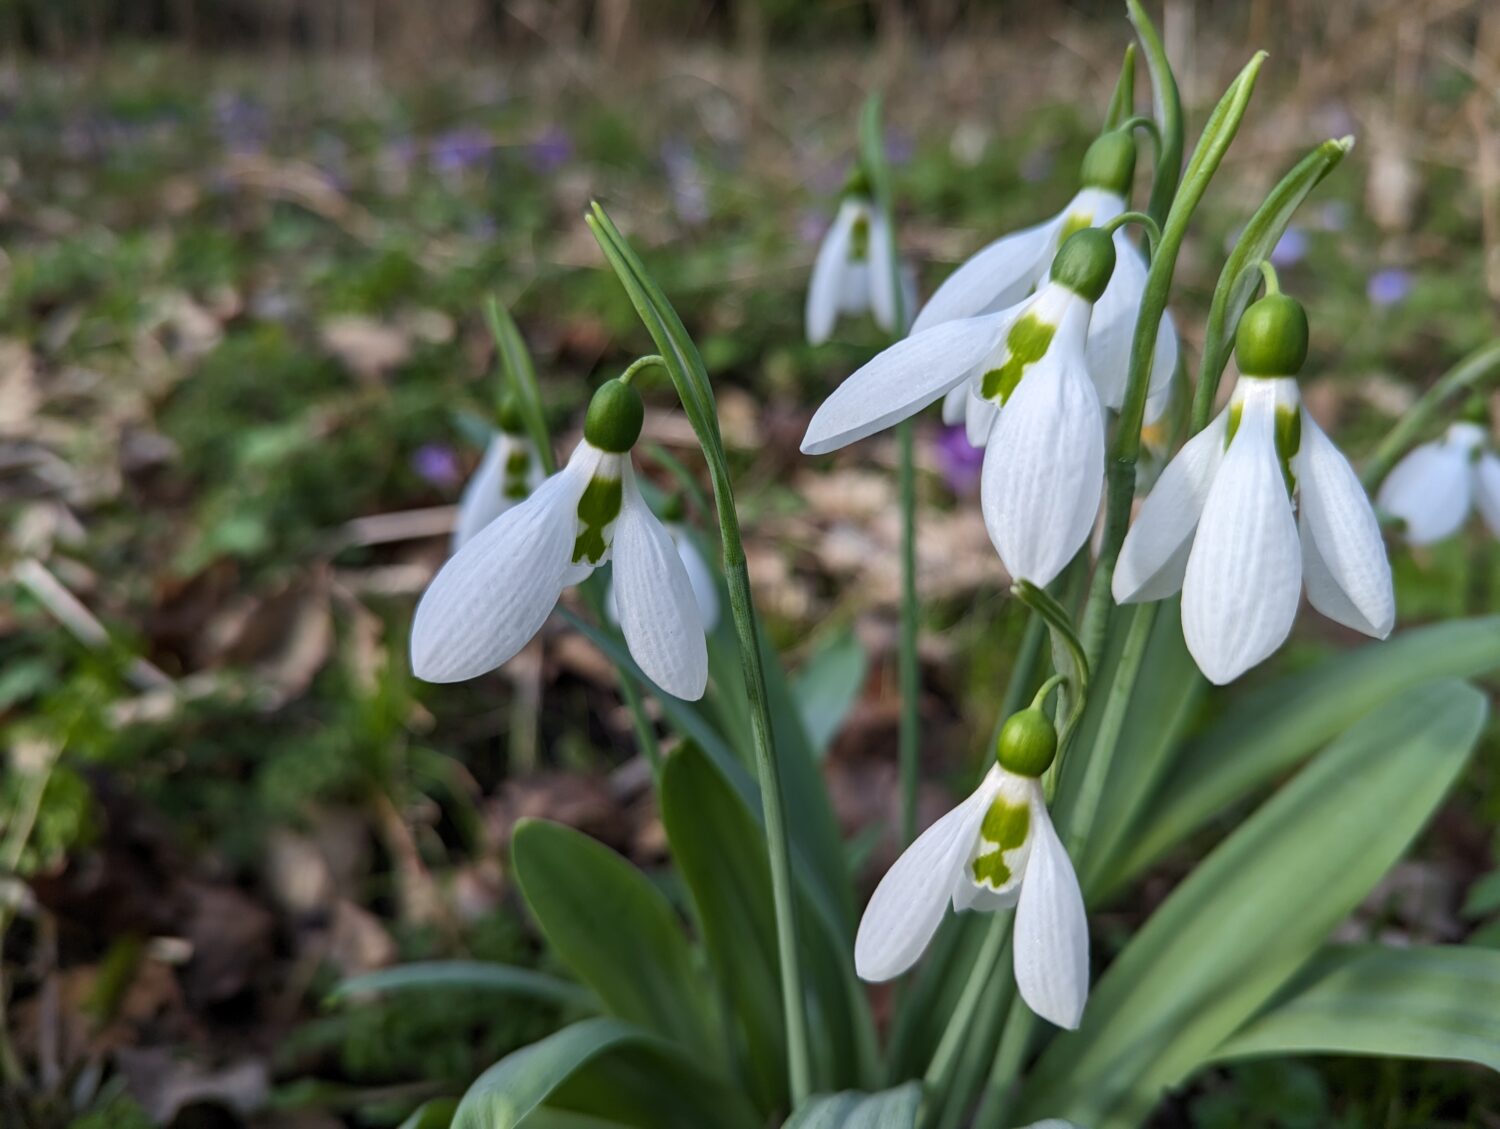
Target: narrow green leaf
436, 1114
828, 685
889, 1109
1239, 278
467, 976
614, 930
1270, 731
605, 1068
1168, 114
1432, 1001
1244, 922
515, 358
1122, 102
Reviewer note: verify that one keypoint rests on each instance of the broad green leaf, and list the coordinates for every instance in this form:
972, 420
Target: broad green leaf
889, 1109
604, 1068
1432, 1001
436, 1114
828, 685
467, 976
1270, 731
614, 930
720, 853
1243, 923
1484, 896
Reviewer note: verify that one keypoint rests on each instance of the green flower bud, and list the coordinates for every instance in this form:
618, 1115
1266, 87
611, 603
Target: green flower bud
1110, 163
615, 416
1272, 337
1027, 743
511, 420
1084, 263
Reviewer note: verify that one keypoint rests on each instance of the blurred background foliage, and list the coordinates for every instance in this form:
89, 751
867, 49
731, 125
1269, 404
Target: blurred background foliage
243, 372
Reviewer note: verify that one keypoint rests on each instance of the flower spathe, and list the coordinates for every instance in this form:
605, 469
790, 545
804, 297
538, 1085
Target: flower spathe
1255, 506
850, 274
507, 475
1031, 405
1436, 485
495, 593
995, 850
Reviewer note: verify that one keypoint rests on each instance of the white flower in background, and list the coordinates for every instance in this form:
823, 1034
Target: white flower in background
1436, 485
1031, 405
1007, 270
851, 274
995, 850
705, 587
495, 593
509, 472
1220, 523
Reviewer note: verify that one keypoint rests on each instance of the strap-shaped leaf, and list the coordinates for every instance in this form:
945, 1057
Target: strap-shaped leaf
614, 930
889, 1109
607, 1069
828, 685
515, 358
1270, 731
1252, 914
1433, 1001
467, 976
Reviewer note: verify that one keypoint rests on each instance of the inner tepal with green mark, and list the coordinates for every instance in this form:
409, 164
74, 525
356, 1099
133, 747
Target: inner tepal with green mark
1005, 828
859, 239
598, 507
1026, 343
513, 482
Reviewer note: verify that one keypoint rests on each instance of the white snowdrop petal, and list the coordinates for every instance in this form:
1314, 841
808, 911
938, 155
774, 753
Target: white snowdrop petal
1487, 490
882, 284
659, 614
1051, 929
996, 276
1155, 552
979, 416
1044, 469
908, 905
1244, 575
955, 404
966, 895
825, 291
1344, 564
700, 576
495, 593
483, 499
1430, 490
1112, 326
901, 381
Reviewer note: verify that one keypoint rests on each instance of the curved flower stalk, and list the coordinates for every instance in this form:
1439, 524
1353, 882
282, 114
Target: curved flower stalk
1434, 488
700, 576
1006, 271
995, 850
851, 274
509, 473
1032, 406
495, 593
1221, 522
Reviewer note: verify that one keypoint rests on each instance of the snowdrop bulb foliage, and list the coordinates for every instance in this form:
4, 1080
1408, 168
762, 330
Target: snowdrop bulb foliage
1255, 506
995, 850
1031, 405
1007, 270
509, 472
495, 593
1436, 485
851, 274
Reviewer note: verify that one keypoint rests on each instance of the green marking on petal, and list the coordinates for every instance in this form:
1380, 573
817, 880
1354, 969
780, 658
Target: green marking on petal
1288, 442
599, 506
990, 870
1005, 828
1026, 343
513, 484
859, 239
1075, 223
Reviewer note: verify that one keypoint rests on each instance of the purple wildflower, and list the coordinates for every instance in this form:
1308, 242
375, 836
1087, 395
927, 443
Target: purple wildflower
958, 460
1389, 287
460, 150
1290, 249
551, 151
437, 465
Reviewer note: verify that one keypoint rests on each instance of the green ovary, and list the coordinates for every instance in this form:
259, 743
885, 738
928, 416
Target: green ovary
1025, 344
513, 484
1005, 828
599, 506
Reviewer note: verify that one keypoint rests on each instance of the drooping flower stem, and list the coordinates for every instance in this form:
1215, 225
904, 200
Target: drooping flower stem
1472, 372
685, 366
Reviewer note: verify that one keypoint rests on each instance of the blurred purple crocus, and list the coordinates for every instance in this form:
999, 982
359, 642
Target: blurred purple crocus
1290, 249
1389, 287
551, 151
460, 150
437, 465
959, 460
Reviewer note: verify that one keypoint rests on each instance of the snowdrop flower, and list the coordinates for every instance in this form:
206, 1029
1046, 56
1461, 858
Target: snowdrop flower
851, 273
1434, 487
995, 850
1006, 271
508, 473
1220, 522
700, 576
1032, 406
495, 593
